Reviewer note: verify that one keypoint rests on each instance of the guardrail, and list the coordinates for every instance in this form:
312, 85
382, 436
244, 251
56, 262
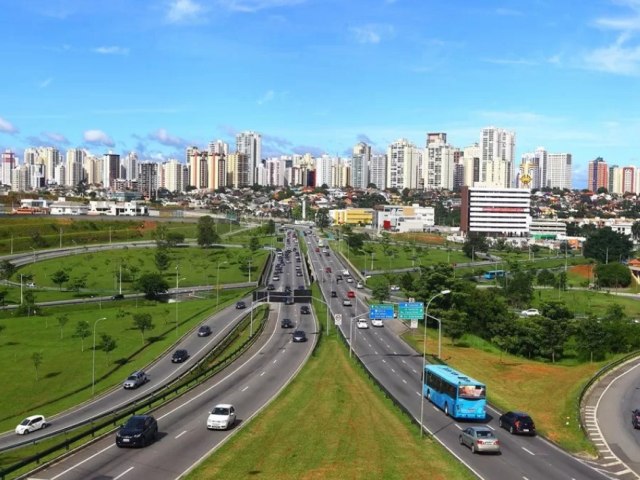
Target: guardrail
191, 378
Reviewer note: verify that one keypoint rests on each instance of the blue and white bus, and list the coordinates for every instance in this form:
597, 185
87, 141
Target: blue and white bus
490, 275
457, 394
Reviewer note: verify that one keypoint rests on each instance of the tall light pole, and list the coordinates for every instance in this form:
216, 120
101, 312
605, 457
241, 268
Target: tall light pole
21, 283
34, 254
424, 355
93, 377
218, 283
61, 237
249, 270
12, 244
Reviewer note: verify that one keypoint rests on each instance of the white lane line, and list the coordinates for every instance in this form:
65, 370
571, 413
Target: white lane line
404, 381
384, 361
275, 360
375, 352
180, 434
393, 370
528, 451
262, 373
434, 407
84, 461
123, 473
404, 362
458, 426
414, 370
490, 427
622, 472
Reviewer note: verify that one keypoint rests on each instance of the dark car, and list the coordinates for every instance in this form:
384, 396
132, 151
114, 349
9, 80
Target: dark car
117, 296
139, 431
179, 356
299, 336
204, 331
517, 422
286, 323
305, 310
271, 286
635, 418
289, 301
334, 294
240, 305
287, 289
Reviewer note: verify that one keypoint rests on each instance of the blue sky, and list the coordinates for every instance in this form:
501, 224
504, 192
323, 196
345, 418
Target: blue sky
321, 75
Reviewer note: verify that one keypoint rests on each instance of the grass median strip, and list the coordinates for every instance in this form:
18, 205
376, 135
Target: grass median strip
331, 422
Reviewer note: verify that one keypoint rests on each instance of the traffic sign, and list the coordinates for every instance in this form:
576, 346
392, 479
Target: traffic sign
411, 310
337, 319
381, 312
414, 324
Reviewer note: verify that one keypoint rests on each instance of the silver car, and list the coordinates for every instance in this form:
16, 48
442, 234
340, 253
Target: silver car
480, 439
135, 380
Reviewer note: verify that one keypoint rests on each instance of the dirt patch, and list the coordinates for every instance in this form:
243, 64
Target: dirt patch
148, 226
427, 238
583, 271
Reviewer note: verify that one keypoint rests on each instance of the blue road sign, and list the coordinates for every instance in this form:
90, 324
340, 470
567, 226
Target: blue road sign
381, 312
411, 310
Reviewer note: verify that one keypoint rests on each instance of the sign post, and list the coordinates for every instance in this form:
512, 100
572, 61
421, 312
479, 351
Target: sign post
337, 319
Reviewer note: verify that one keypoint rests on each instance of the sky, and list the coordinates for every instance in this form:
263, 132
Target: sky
318, 76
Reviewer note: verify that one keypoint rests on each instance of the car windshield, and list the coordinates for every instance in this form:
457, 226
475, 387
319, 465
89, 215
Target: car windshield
135, 423
220, 411
26, 421
132, 377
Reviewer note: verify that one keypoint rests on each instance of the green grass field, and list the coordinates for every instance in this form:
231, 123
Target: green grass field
102, 269
65, 374
331, 422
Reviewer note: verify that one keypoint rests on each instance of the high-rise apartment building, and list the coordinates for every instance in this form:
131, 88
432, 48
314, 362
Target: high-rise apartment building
324, 171
238, 170
148, 179
557, 173
404, 162
110, 169
471, 156
173, 176
250, 144
439, 162
8, 164
129, 167
498, 156
378, 170
74, 171
360, 160
598, 175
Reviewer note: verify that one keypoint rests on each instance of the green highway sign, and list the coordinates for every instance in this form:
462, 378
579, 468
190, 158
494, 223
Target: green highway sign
410, 310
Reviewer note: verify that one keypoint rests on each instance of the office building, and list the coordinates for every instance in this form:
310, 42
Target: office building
495, 211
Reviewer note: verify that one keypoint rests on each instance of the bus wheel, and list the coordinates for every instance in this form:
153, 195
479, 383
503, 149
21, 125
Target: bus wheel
446, 409
429, 395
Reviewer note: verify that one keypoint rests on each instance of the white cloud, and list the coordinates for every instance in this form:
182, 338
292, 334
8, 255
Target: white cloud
267, 97
45, 83
251, 6
7, 127
112, 50
371, 33
618, 58
183, 11
164, 137
56, 137
98, 137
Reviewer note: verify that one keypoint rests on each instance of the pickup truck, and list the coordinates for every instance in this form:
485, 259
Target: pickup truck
135, 380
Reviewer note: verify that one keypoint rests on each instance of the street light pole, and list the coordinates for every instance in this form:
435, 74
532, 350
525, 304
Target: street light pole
34, 254
60, 237
93, 377
424, 355
21, 283
218, 284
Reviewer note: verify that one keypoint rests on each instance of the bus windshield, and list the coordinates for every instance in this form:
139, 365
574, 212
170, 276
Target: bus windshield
471, 391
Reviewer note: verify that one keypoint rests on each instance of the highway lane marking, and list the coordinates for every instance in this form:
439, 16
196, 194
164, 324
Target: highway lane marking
393, 370
622, 472
404, 381
83, 461
458, 426
528, 451
180, 434
275, 360
375, 352
404, 362
262, 373
245, 389
384, 361
418, 393
490, 427
414, 370
123, 473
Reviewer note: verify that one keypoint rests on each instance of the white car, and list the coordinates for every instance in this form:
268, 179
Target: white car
362, 323
394, 288
359, 285
532, 312
346, 302
376, 322
349, 280
222, 417
31, 424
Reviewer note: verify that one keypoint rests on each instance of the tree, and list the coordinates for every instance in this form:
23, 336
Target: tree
322, 218
454, 324
78, 283
83, 330
36, 358
355, 240
59, 277
62, 321
206, 231
635, 230
254, 243
546, 278
162, 259
7, 269
473, 244
3, 296
555, 324
613, 275
518, 288
109, 344
160, 235
174, 238
591, 339
604, 245
380, 291
143, 321
269, 228
152, 284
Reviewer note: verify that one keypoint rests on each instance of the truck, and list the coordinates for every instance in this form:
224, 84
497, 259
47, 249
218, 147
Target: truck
321, 243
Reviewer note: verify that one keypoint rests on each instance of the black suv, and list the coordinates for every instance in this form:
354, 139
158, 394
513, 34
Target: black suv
204, 331
305, 310
117, 296
139, 431
517, 422
635, 418
286, 323
179, 356
240, 305
334, 294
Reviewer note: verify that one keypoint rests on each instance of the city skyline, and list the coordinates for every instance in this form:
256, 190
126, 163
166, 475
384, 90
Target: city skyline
319, 76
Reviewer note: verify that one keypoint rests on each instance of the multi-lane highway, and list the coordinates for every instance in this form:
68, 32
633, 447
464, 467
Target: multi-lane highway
249, 385
398, 367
